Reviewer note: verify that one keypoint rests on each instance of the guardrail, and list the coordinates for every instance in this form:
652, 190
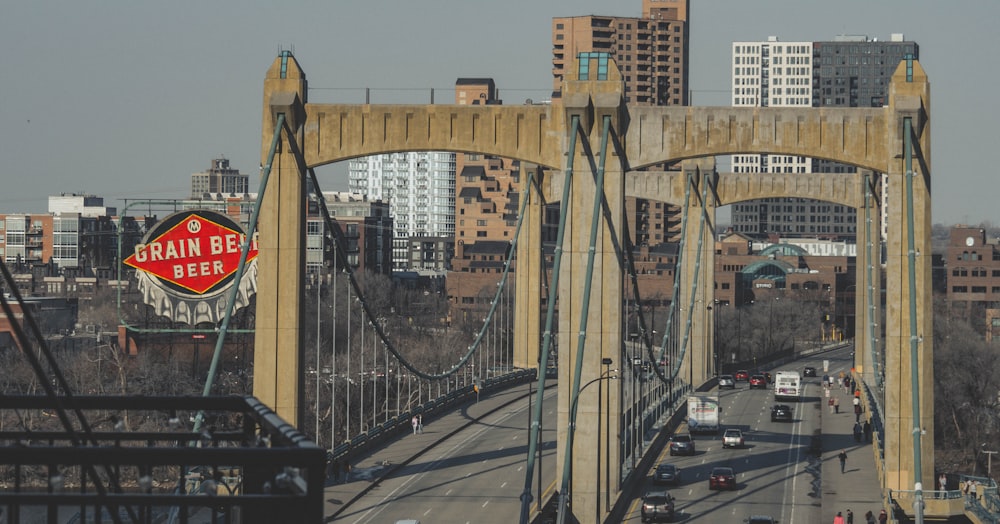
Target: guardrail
377, 436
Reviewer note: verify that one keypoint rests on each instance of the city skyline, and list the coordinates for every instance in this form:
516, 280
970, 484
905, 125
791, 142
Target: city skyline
127, 101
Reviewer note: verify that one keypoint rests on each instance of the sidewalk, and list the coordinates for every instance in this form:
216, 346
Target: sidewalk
367, 469
858, 487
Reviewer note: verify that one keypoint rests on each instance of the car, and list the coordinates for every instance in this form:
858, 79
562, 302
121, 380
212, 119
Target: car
781, 412
681, 444
657, 506
759, 519
732, 438
727, 381
722, 478
758, 381
667, 474
809, 371
742, 374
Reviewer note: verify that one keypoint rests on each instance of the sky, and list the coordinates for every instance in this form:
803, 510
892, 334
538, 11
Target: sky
125, 99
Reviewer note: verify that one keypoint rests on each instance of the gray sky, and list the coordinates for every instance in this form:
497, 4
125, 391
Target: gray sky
126, 99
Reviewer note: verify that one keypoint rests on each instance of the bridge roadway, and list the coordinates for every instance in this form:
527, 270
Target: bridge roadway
468, 465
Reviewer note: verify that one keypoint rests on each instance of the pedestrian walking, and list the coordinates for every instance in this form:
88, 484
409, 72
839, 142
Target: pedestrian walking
869, 517
867, 429
830, 403
857, 432
843, 460
839, 519
836, 404
847, 384
850, 517
414, 422
420, 424
883, 517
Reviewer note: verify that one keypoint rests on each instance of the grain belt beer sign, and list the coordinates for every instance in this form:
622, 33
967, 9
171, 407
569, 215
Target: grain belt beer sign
188, 261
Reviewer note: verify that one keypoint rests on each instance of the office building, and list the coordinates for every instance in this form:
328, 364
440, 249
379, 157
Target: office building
972, 262
849, 71
219, 178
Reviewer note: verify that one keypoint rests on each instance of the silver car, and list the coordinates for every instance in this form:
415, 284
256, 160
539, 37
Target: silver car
727, 381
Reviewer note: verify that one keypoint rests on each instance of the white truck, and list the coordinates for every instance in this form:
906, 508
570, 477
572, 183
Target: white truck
787, 385
704, 413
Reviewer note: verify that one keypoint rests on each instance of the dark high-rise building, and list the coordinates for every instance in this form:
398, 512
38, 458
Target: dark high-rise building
849, 71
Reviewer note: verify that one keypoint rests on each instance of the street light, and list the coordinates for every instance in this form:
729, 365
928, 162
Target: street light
989, 461
606, 362
564, 495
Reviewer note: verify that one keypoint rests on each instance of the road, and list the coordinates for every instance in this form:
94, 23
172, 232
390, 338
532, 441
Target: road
775, 473
476, 476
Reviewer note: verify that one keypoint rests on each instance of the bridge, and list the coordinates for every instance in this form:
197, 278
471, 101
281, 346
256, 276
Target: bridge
589, 153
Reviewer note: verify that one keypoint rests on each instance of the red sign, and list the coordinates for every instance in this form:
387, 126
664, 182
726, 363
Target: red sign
191, 251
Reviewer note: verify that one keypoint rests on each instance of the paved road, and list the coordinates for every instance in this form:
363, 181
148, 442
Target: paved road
776, 473
472, 472
476, 475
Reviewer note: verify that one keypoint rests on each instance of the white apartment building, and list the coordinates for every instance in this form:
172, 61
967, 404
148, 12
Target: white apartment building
771, 74
420, 190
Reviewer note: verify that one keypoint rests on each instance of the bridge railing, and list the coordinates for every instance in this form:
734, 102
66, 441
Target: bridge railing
378, 435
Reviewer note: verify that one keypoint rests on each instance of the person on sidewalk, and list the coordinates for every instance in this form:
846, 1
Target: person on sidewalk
414, 423
857, 432
830, 403
943, 482
850, 517
836, 404
839, 519
869, 517
843, 460
867, 429
883, 517
420, 424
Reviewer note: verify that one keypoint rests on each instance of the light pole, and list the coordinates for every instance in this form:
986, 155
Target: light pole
564, 493
607, 439
606, 362
989, 462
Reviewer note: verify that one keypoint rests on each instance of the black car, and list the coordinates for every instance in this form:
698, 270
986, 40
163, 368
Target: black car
657, 506
809, 372
781, 412
667, 474
681, 445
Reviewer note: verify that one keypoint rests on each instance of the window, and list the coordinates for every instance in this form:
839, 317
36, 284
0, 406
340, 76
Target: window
959, 289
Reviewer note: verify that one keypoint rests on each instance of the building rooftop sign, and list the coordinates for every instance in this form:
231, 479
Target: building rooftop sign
186, 263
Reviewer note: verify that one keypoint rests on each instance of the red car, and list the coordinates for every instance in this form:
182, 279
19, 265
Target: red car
758, 381
722, 478
742, 375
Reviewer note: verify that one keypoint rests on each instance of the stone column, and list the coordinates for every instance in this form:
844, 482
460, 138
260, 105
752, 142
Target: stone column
278, 341
698, 257
868, 278
592, 100
909, 100
530, 275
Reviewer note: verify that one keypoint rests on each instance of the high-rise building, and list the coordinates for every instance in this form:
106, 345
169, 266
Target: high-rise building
849, 71
220, 178
420, 189
651, 50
